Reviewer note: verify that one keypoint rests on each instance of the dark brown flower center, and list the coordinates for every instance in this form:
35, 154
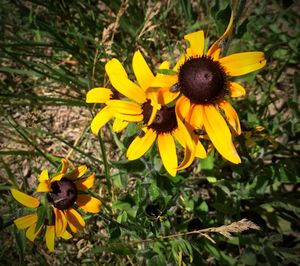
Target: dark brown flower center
63, 194
165, 118
202, 80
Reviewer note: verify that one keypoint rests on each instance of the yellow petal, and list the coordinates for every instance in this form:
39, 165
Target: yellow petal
232, 117
119, 125
44, 176
141, 70
101, 119
218, 132
167, 151
60, 222
26, 221
140, 145
58, 177
31, 234
98, 95
125, 107
64, 166
188, 144
128, 88
165, 96
216, 45
114, 67
196, 118
75, 221
164, 80
130, 118
179, 63
88, 203
182, 107
243, 63
66, 235
200, 151
25, 199
44, 186
236, 90
86, 182
50, 234
196, 40
77, 172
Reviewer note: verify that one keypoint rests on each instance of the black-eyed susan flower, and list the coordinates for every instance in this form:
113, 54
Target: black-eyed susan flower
204, 81
65, 192
135, 95
145, 104
50, 225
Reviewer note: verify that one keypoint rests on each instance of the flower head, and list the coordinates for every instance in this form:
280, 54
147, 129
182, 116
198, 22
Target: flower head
31, 221
127, 109
204, 81
65, 192
145, 103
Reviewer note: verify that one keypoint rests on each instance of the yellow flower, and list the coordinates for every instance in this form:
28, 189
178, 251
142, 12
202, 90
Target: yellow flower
64, 190
29, 221
204, 81
125, 111
147, 106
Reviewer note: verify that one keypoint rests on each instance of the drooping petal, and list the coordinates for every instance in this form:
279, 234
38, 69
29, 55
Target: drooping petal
98, 95
236, 90
141, 70
188, 144
44, 176
77, 172
88, 203
196, 118
44, 186
232, 116
128, 88
50, 235
66, 235
75, 221
25, 199
196, 40
119, 125
243, 63
101, 119
200, 151
219, 133
64, 166
26, 221
216, 45
182, 107
31, 234
125, 107
114, 67
60, 222
140, 145
86, 182
167, 151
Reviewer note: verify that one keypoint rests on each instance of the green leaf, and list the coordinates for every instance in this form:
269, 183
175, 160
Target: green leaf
21, 243
154, 192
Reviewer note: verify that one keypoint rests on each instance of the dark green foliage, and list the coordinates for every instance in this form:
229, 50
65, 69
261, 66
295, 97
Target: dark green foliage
53, 52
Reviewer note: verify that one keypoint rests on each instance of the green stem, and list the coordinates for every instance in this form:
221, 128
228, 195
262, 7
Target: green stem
105, 163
